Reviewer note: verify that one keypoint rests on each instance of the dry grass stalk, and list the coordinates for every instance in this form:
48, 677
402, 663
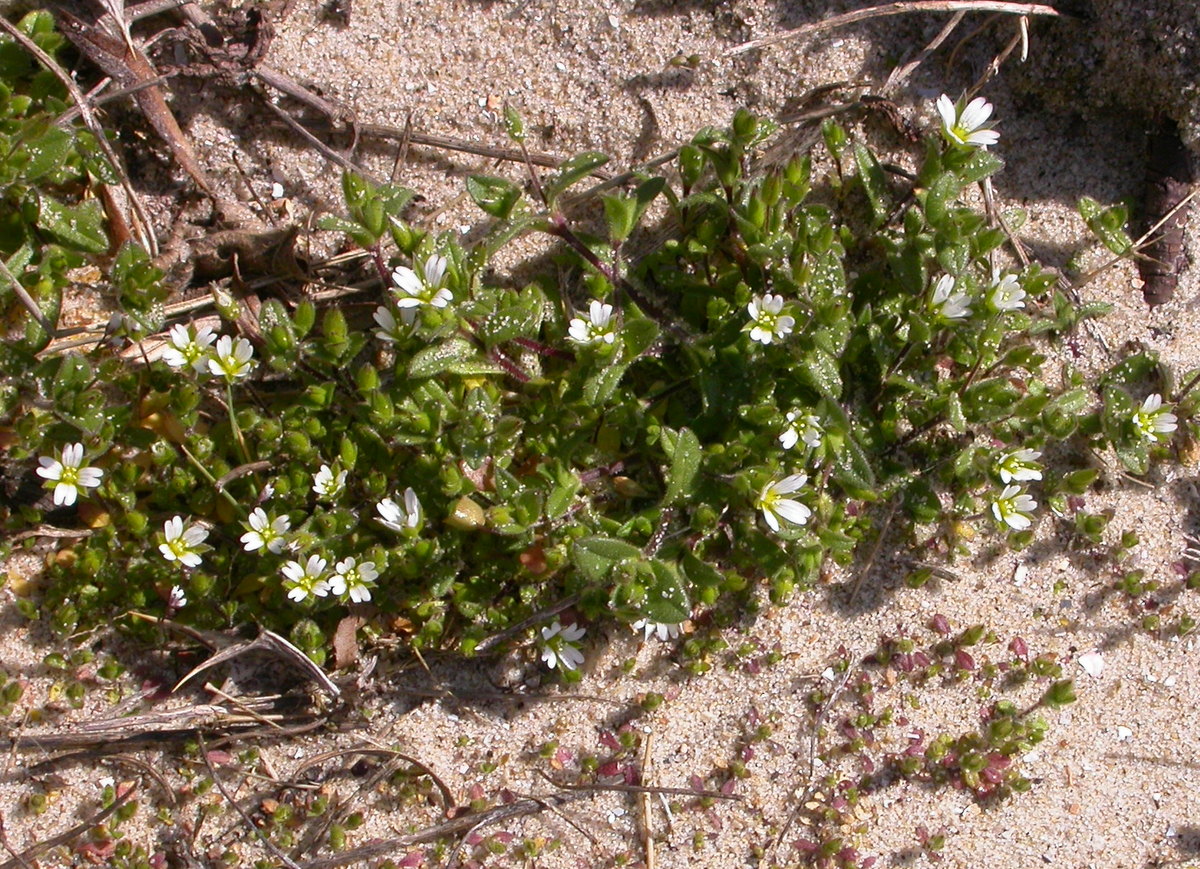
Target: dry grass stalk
899, 8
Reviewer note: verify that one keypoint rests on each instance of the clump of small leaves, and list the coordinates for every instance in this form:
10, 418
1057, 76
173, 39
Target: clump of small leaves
651, 430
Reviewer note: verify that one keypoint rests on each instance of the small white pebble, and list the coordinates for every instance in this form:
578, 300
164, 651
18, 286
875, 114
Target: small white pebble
1092, 663
1020, 574
1123, 733
560, 66
276, 190
828, 675
1169, 682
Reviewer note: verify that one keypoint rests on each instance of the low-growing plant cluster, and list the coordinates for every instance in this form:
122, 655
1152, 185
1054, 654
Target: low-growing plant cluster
735, 398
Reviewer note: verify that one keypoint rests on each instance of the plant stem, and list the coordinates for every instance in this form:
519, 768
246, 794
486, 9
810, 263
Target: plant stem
233, 424
204, 472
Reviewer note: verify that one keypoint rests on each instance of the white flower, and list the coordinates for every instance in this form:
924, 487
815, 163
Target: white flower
809, 431
182, 544
327, 484
67, 475
413, 291
231, 361
302, 580
398, 518
1150, 420
1007, 295
775, 507
265, 532
598, 328
947, 303
177, 599
663, 630
558, 646
1019, 466
767, 321
1014, 508
350, 577
965, 128
389, 330
189, 347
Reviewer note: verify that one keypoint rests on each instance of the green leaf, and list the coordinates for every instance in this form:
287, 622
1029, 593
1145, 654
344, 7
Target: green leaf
1059, 694
609, 548
495, 196
276, 325
989, 400
571, 171
77, 226
441, 357
870, 173
1108, 224
820, 371
74, 373
939, 198
954, 413
1132, 370
478, 367
667, 599
852, 471
561, 497
513, 125
1077, 482
699, 573
835, 137
685, 465
47, 152
595, 557
333, 223
981, 164
621, 213
600, 387
638, 333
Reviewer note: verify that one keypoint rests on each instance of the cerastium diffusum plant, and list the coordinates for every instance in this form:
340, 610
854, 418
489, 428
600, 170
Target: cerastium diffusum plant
668, 426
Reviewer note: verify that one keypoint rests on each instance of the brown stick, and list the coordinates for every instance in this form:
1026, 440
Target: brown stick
900, 73
899, 8
130, 67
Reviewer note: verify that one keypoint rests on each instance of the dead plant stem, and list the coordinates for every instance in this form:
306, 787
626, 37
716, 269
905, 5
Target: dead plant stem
899, 8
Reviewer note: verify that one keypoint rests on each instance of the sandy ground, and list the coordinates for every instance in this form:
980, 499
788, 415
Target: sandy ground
1115, 783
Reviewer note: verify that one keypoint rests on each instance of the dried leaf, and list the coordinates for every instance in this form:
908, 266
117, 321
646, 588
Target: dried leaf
345, 642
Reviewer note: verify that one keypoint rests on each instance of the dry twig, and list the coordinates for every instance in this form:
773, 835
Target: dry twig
262, 836
899, 8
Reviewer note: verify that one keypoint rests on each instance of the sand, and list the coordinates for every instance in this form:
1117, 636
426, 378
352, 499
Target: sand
1113, 785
